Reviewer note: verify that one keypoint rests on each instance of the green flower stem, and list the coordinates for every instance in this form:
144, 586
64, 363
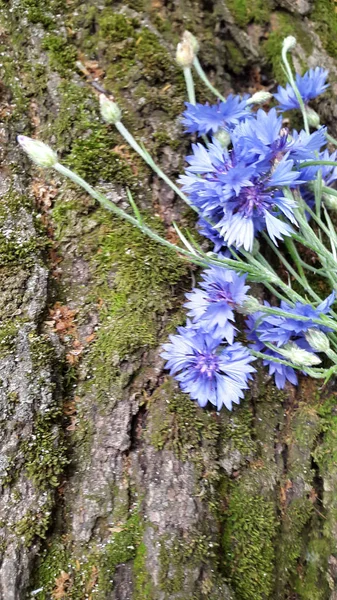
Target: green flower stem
273, 277
301, 279
318, 192
315, 163
324, 320
149, 160
104, 201
316, 373
331, 139
295, 88
198, 259
289, 243
331, 233
205, 79
189, 85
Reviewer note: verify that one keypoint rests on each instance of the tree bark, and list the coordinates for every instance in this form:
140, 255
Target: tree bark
114, 484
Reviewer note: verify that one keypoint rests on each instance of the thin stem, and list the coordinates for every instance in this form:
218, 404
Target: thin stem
318, 192
331, 139
319, 374
201, 259
301, 280
295, 88
315, 163
104, 201
330, 233
149, 160
189, 84
289, 244
205, 79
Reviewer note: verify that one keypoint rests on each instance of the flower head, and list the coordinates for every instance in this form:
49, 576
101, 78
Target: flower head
238, 196
289, 334
110, 111
207, 371
311, 84
203, 118
38, 152
211, 307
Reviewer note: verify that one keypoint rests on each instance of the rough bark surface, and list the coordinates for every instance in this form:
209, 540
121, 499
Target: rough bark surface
114, 485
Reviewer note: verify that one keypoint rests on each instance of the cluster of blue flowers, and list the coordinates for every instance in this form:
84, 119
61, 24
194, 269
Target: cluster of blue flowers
236, 183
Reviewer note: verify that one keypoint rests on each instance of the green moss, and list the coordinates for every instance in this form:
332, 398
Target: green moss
116, 27
180, 425
121, 548
246, 11
62, 55
235, 59
250, 529
45, 452
143, 586
53, 559
35, 523
17, 247
284, 24
324, 17
40, 11
96, 566
312, 581
179, 557
142, 275
239, 432
8, 333
292, 543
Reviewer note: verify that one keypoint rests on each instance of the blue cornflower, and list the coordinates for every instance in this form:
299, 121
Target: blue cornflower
279, 331
212, 234
203, 118
310, 85
208, 371
263, 139
329, 172
258, 206
211, 307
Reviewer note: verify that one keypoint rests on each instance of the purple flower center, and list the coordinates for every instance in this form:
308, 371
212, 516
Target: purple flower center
252, 199
207, 364
219, 293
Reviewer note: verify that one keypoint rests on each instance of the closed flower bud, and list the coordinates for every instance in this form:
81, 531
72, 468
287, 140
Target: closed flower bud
223, 137
250, 306
260, 98
298, 356
313, 117
189, 37
330, 201
289, 43
38, 152
110, 110
317, 340
185, 53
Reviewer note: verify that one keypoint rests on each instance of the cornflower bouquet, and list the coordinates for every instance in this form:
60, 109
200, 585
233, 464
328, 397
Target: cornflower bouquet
250, 179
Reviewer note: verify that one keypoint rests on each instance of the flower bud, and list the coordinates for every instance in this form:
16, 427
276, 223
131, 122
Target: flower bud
250, 306
223, 137
37, 151
110, 111
298, 356
185, 53
289, 43
260, 98
189, 37
313, 117
317, 340
330, 201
